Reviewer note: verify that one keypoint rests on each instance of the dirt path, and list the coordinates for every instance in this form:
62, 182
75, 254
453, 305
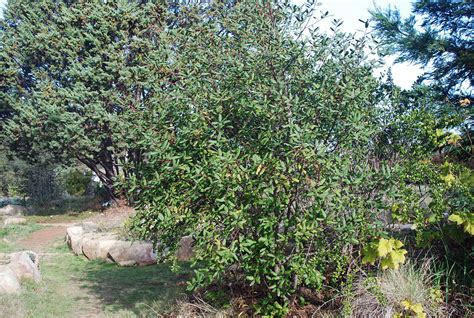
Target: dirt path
72, 286
63, 280
40, 240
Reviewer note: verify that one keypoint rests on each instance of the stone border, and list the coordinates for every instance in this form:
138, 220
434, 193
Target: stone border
86, 240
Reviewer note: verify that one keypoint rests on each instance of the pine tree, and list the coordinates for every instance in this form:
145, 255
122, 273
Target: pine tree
437, 35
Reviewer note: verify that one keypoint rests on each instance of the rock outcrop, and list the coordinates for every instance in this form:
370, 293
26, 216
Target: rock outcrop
8, 282
185, 248
17, 267
12, 210
12, 215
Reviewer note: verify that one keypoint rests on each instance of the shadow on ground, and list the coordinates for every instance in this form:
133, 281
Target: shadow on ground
134, 288
75, 286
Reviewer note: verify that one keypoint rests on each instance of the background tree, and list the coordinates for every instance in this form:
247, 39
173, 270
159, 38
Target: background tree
76, 78
438, 35
11, 175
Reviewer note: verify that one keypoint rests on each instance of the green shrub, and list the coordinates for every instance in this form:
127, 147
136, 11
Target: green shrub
11, 175
76, 181
41, 184
262, 150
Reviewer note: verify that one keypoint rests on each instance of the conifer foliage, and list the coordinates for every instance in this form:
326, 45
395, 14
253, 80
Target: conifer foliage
438, 34
76, 76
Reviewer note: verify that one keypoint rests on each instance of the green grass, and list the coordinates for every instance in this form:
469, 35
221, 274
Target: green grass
73, 286
66, 206
60, 218
13, 233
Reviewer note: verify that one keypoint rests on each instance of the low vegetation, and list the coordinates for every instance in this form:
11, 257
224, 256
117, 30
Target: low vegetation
13, 233
86, 288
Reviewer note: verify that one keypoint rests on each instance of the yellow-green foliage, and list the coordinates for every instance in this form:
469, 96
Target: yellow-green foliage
466, 220
411, 310
389, 252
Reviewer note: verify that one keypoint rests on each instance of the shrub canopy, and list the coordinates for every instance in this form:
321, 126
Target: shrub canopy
264, 150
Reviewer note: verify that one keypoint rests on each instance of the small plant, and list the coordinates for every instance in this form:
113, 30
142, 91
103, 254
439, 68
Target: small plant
389, 251
411, 310
76, 181
466, 220
407, 292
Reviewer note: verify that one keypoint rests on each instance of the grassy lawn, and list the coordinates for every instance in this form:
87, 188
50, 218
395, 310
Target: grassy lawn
72, 286
60, 218
13, 233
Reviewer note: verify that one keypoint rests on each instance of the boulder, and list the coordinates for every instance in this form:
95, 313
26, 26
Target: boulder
103, 248
8, 282
97, 245
5, 259
13, 220
13, 210
88, 242
185, 248
89, 226
25, 265
132, 253
74, 238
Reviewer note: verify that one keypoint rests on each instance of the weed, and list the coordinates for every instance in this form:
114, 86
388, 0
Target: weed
385, 294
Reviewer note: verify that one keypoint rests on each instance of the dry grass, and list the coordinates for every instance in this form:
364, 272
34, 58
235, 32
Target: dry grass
112, 218
11, 307
381, 296
199, 308
183, 308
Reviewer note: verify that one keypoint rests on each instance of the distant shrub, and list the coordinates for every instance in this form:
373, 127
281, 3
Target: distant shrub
11, 175
41, 184
76, 181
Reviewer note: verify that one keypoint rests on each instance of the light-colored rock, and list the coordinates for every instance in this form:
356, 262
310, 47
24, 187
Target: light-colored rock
13, 210
5, 259
74, 238
8, 282
89, 226
85, 240
103, 248
25, 265
132, 253
89, 242
13, 220
97, 245
185, 248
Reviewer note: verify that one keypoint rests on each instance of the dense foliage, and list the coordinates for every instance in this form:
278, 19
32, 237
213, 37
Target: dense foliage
241, 124
76, 181
11, 176
74, 77
263, 151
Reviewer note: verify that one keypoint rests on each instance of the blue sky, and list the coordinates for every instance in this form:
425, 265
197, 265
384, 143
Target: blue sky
350, 11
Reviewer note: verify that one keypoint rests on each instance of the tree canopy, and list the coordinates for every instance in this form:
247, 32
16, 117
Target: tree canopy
437, 35
74, 77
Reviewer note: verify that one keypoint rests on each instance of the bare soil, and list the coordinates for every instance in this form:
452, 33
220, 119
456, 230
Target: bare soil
41, 240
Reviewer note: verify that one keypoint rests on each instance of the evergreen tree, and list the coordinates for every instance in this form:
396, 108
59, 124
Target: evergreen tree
77, 76
438, 35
